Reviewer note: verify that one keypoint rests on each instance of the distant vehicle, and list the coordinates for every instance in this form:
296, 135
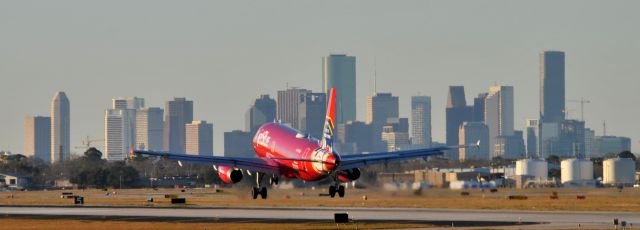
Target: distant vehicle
286, 152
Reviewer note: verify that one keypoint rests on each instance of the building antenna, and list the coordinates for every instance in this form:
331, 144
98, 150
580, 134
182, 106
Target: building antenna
375, 75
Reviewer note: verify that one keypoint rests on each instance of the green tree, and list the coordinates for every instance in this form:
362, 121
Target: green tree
92, 154
627, 154
119, 174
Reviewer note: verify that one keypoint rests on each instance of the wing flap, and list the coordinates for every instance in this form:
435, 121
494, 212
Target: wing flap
360, 160
253, 164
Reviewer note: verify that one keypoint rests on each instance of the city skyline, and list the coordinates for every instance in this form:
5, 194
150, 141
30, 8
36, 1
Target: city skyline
420, 58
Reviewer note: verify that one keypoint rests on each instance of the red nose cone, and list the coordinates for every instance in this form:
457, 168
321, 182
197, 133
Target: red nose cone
331, 161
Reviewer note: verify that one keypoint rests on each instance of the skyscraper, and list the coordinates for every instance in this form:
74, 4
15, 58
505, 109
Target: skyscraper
395, 134
120, 127
478, 107
589, 139
149, 126
552, 83
199, 138
60, 127
421, 121
311, 113
610, 144
548, 140
510, 146
457, 112
499, 114
238, 144
356, 134
471, 133
380, 107
37, 137
177, 114
127, 103
288, 101
339, 71
533, 132
118, 135
571, 138
263, 110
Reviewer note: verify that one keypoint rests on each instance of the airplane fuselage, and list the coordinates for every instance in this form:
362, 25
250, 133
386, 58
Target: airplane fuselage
281, 144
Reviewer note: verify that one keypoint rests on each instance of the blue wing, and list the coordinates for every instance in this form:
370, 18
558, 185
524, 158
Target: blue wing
250, 163
359, 160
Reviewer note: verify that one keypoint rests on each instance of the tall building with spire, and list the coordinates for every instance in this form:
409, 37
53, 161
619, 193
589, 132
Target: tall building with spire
60, 127
177, 114
552, 87
339, 71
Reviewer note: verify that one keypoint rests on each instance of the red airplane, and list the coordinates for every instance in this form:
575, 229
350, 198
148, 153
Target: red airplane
286, 152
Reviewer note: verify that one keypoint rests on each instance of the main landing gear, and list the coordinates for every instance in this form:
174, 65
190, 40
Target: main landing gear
262, 191
336, 188
258, 190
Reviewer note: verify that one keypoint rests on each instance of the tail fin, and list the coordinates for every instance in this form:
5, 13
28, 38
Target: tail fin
329, 122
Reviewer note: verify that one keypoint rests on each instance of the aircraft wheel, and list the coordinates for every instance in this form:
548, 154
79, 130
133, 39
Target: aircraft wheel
263, 192
254, 193
332, 191
341, 191
273, 181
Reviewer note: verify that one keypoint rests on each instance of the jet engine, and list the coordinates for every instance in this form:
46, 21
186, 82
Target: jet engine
349, 174
229, 175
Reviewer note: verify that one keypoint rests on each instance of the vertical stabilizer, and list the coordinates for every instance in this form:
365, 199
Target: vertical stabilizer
329, 125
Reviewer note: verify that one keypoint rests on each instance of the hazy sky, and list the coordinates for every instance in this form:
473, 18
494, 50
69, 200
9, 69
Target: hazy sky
222, 54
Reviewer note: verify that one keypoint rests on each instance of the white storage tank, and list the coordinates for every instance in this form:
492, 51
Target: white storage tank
573, 170
532, 167
618, 171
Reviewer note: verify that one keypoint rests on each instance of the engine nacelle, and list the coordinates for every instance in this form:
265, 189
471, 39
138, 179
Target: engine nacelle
349, 174
229, 175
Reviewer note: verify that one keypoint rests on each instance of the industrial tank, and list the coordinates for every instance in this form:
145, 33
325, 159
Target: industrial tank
532, 167
618, 171
572, 170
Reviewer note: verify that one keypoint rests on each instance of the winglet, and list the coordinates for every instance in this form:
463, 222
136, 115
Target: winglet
329, 123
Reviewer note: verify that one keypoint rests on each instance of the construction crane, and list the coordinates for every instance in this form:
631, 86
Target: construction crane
566, 113
582, 101
88, 143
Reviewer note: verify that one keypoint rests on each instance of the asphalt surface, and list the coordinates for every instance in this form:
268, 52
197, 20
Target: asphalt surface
460, 217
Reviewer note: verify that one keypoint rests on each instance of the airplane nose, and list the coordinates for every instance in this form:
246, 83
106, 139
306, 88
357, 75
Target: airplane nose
331, 162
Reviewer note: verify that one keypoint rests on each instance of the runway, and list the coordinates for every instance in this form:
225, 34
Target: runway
548, 219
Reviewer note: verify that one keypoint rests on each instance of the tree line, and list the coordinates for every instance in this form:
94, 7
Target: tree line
90, 170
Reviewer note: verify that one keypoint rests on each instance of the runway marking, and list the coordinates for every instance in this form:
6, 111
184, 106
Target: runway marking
595, 219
